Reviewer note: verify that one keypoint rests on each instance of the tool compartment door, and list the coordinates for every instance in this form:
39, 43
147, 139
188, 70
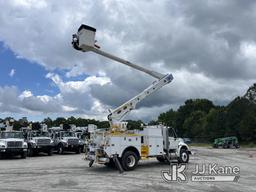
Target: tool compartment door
155, 144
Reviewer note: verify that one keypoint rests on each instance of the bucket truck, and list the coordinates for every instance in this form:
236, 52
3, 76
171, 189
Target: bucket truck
117, 145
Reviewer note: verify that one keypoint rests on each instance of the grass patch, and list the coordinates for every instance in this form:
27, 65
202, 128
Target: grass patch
248, 145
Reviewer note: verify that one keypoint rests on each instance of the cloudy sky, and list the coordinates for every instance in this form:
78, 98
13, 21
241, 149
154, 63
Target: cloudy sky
208, 46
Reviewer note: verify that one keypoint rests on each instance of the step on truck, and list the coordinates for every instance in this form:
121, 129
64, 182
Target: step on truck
13, 143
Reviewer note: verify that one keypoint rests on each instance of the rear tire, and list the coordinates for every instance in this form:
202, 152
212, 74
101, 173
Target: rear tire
161, 159
129, 160
24, 155
110, 164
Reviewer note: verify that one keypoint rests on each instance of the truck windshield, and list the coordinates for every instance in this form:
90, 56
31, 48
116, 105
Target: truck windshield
5, 135
67, 134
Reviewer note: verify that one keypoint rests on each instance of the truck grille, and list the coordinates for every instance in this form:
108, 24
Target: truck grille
14, 144
73, 141
43, 141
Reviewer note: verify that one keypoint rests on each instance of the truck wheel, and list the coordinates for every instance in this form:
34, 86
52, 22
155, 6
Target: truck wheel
50, 151
24, 155
30, 152
78, 150
129, 160
60, 149
161, 159
184, 156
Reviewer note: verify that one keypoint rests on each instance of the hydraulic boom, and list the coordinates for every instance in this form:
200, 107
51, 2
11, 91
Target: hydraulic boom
84, 41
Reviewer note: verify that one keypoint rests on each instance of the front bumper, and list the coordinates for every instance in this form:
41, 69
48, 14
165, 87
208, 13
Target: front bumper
13, 150
72, 147
42, 147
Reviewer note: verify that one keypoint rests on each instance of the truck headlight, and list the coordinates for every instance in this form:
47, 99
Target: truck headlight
2, 146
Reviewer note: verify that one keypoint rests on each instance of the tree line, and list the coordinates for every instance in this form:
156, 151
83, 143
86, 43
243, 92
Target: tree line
198, 119
202, 121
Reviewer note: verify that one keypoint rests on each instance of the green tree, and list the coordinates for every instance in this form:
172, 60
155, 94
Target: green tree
248, 128
168, 118
48, 121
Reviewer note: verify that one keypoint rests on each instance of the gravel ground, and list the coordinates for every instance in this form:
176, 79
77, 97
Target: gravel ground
70, 172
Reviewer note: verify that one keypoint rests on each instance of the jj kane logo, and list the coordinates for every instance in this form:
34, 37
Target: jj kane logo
202, 173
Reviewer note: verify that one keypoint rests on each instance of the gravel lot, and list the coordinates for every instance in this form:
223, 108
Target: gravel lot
70, 172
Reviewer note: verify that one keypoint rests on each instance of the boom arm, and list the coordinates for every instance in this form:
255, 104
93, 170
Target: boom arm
84, 41
119, 113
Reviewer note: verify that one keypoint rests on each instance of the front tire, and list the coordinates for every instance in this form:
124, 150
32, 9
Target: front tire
129, 160
78, 150
60, 149
184, 156
30, 151
50, 151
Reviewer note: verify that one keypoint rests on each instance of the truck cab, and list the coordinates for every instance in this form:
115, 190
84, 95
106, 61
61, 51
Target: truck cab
13, 143
67, 141
39, 141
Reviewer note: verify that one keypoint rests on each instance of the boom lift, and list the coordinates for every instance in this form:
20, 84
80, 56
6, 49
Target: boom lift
130, 152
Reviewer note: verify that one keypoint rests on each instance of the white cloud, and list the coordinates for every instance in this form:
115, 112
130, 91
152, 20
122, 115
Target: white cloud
74, 99
25, 94
211, 55
12, 73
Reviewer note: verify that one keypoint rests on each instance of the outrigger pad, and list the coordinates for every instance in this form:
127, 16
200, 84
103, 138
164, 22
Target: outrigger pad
91, 162
117, 163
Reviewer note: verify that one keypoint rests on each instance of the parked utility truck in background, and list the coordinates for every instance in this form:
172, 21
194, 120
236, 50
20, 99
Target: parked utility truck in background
13, 143
117, 145
39, 141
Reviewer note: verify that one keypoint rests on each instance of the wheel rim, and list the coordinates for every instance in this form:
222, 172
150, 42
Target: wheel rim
184, 156
60, 150
131, 161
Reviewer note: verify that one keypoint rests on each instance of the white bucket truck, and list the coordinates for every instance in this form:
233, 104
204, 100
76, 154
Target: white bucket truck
117, 145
